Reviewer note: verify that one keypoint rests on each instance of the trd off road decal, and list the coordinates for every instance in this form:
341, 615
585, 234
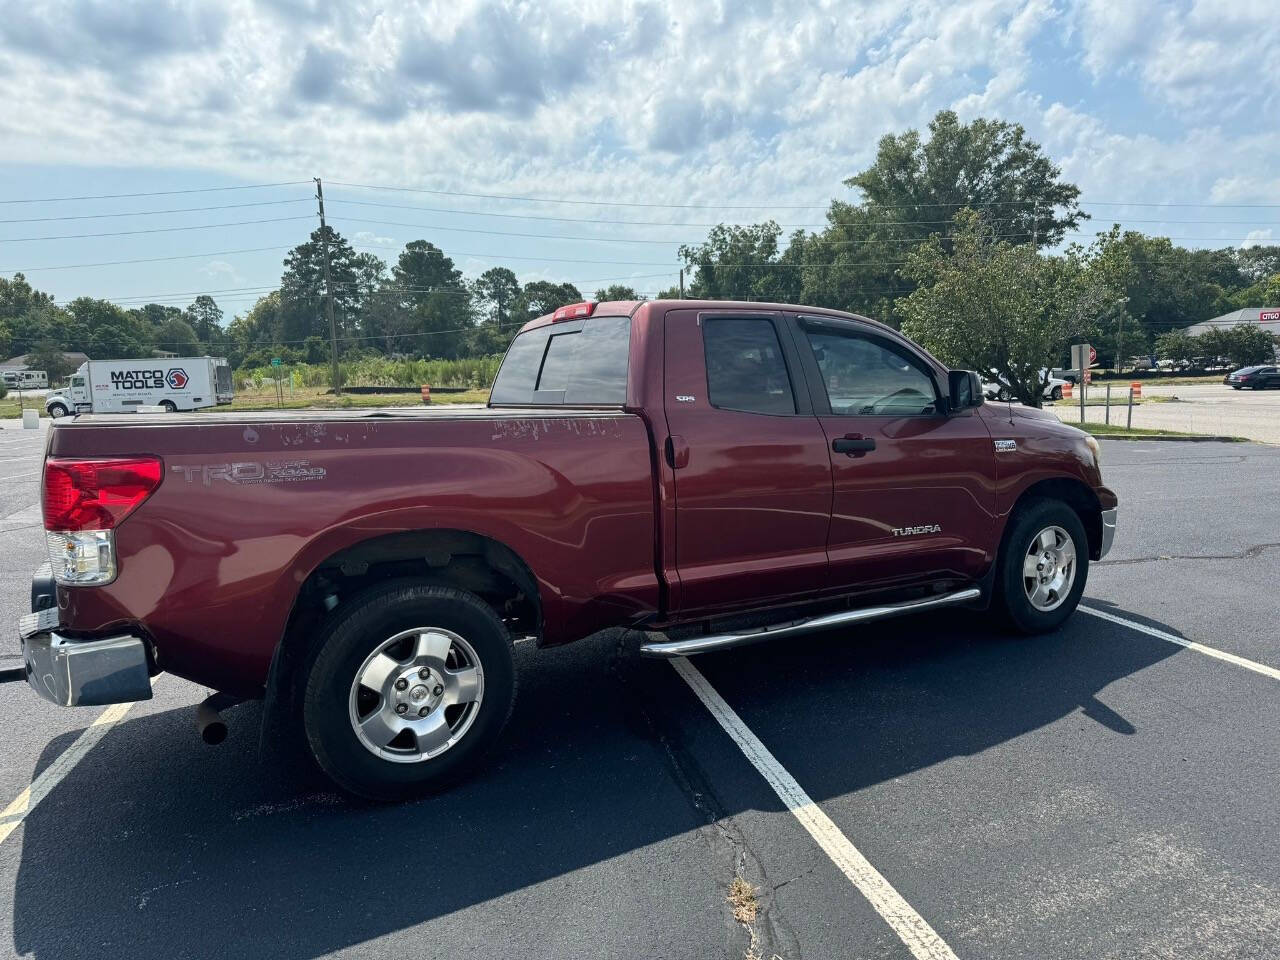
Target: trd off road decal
250, 471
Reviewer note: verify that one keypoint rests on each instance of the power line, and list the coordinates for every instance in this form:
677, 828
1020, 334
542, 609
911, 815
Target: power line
152, 213
684, 223
668, 242
129, 233
161, 193
780, 206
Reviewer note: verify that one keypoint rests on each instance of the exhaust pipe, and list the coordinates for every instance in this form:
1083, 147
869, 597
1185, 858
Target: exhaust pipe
213, 729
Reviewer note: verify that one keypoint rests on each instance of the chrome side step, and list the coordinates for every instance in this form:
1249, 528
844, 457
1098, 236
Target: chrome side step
719, 641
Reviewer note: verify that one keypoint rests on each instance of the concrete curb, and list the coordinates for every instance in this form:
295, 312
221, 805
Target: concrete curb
1207, 438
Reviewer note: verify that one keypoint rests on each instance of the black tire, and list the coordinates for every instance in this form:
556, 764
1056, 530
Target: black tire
169, 406
350, 635
1056, 394
1030, 518
57, 410
1235, 386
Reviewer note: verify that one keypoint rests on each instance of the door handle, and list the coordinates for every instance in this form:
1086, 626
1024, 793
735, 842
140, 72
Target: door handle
853, 445
677, 451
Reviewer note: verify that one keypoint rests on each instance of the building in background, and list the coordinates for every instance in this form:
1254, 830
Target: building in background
1268, 318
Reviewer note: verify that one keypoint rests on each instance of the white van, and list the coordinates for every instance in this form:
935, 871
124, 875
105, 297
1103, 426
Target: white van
122, 386
26, 379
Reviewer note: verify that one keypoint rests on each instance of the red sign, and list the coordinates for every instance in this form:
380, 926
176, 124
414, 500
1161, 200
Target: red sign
1093, 357
1088, 374
1264, 315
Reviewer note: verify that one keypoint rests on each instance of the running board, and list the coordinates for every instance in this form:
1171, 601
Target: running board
720, 641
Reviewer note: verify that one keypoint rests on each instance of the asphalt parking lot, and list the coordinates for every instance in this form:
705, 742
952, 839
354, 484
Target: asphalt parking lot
1103, 792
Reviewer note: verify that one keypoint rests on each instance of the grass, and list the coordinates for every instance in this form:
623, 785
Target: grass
1115, 430
9, 409
1170, 381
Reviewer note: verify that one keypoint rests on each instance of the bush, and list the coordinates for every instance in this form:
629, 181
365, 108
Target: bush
379, 371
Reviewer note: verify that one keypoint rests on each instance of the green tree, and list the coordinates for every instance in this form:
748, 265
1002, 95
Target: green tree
176, 336
110, 332
205, 317
48, 356
1177, 346
542, 297
617, 291
988, 165
1245, 345
495, 292
155, 314
431, 303
989, 305
302, 296
744, 262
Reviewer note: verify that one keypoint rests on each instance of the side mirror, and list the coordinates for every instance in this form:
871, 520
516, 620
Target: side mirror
965, 388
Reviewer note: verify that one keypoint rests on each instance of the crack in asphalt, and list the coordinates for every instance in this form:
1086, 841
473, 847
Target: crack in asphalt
774, 937
1248, 554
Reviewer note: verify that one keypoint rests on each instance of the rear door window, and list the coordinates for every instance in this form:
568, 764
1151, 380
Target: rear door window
580, 363
745, 367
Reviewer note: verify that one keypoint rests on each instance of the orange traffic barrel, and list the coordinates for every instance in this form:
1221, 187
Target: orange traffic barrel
1136, 388
426, 393
1067, 389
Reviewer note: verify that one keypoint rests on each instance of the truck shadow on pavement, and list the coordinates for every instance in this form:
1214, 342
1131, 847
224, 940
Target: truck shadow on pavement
156, 846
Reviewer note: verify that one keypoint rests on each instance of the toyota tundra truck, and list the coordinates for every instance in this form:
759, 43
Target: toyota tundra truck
702, 474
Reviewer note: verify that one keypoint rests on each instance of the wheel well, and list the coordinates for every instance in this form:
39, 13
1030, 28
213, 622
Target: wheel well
455, 558
1076, 495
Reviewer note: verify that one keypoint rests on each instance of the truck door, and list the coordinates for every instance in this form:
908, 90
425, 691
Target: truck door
914, 487
752, 473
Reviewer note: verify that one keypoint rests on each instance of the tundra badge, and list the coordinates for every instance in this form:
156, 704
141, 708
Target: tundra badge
913, 531
1006, 446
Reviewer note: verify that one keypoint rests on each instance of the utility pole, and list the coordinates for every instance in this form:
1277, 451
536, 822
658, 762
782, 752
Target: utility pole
328, 294
681, 283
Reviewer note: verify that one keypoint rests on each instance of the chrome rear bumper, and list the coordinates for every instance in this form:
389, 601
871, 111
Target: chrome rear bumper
82, 673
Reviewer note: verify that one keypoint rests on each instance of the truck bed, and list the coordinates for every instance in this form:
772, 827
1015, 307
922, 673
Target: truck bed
251, 504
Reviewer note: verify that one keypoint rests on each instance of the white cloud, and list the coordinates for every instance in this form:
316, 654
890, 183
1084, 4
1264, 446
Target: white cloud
647, 99
1259, 238
369, 238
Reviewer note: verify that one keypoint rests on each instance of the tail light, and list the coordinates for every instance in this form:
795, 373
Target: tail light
574, 311
84, 501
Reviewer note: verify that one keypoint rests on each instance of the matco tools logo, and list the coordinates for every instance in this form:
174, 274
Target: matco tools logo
176, 378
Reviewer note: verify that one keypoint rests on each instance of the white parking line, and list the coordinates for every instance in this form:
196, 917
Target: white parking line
1261, 668
912, 929
22, 476
13, 815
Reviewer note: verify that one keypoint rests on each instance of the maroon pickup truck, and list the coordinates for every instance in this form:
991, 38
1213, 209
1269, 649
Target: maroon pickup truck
706, 473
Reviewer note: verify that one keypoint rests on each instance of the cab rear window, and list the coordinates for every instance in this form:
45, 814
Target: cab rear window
580, 363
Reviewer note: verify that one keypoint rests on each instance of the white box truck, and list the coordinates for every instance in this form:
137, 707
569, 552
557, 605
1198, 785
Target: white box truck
122, 386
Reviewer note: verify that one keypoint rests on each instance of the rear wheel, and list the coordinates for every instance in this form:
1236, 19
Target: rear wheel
409, 686
169, 406
57, 410
1056, 394
1043, 567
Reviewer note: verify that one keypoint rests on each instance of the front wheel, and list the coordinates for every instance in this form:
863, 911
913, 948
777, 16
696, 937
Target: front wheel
1056, 394
410, 684
169, 406
57, 410
1043, 566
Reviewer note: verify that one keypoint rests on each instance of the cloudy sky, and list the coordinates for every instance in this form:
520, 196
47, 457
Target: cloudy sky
664, 115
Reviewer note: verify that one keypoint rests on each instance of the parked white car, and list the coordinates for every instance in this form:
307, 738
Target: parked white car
995, 389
